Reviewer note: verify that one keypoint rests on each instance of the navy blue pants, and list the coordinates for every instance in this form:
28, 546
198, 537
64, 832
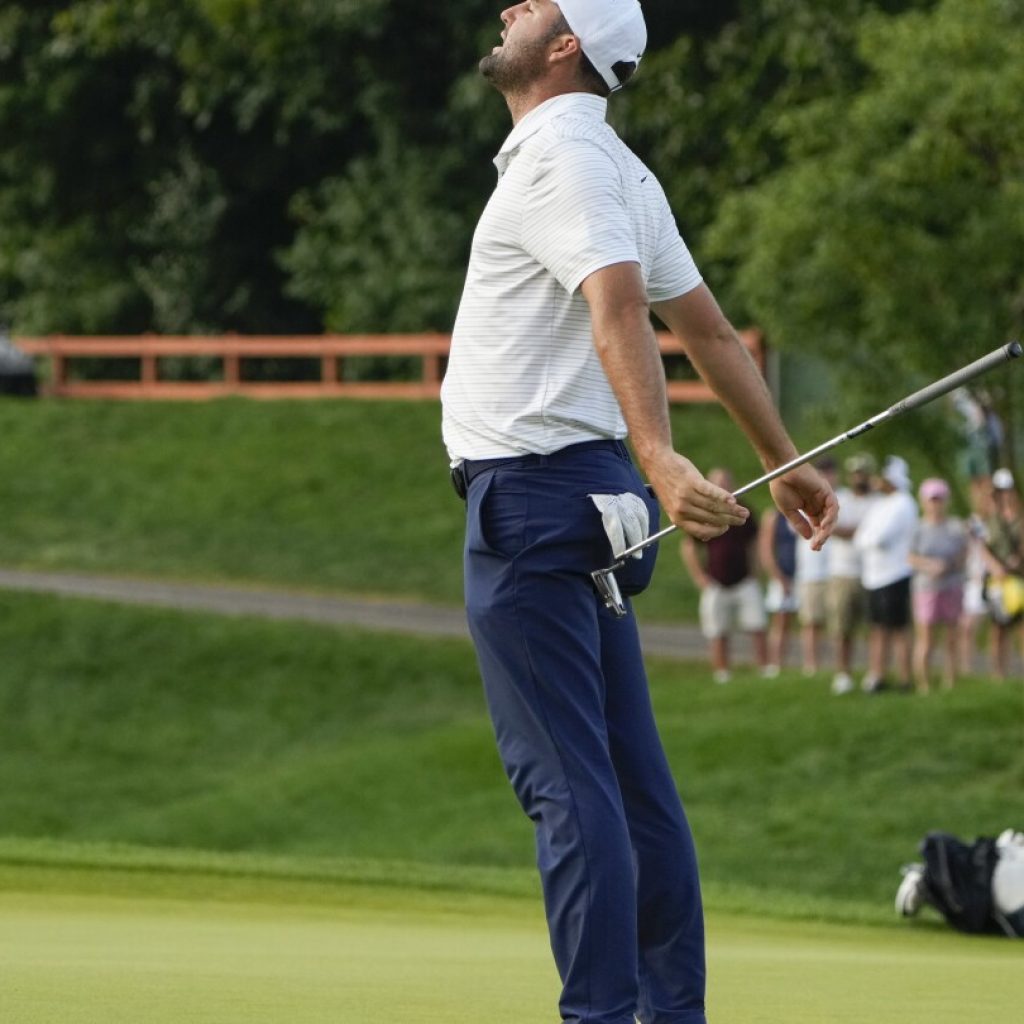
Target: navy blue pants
567, 694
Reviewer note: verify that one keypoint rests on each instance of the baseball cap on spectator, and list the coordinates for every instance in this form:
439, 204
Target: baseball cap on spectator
933, 487
1002, 480
610, 32
897, 472
861, 463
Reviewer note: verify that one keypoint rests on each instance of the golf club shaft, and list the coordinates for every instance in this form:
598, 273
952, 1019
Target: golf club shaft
927, 394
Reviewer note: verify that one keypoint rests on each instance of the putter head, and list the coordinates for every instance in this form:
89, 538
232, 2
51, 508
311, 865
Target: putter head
607, 587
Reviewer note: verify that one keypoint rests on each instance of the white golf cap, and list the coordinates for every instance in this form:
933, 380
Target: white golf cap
1002, 480
897, 472
609, 31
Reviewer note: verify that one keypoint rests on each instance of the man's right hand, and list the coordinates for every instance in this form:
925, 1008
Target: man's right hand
693, 503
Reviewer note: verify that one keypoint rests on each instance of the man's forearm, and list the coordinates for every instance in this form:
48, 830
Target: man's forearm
628, 349
726, 366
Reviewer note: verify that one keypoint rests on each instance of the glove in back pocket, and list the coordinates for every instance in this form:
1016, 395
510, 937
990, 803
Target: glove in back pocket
635, 576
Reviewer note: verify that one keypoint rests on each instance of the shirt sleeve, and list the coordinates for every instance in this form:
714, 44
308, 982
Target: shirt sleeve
915, 540
673, 271
575, 220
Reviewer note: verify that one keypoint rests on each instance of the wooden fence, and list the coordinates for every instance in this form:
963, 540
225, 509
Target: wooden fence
331, 355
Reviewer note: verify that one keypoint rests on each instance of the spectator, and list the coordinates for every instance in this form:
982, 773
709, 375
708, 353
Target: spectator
812, 571
1004, 555
975, 610
730, 596
883, 539
776, 545
938, 553
845, 597
982, 439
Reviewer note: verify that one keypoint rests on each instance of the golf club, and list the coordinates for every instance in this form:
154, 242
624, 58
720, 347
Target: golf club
604, 579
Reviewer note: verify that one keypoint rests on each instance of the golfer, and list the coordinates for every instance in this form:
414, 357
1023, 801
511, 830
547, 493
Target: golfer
553, 357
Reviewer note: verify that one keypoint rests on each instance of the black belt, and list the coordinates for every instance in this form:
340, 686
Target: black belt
466, 471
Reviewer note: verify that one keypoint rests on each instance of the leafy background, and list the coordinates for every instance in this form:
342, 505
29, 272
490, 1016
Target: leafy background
850, 175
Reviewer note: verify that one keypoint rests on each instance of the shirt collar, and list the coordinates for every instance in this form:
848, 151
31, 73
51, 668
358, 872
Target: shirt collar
584, 103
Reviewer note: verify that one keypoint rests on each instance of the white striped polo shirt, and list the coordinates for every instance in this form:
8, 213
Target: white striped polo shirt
523, 374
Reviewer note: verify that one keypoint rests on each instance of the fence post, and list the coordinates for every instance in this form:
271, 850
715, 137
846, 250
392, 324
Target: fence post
431, 369
59, 369
149, 369
328, 369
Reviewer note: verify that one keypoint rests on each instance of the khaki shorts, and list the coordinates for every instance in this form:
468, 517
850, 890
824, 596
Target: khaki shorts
724, 609
812, 602
845, 600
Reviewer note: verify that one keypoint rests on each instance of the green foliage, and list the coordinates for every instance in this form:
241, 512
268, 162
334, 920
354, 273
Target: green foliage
706, 111
131, 725
378, 250
152, 150
209, 165
890, 239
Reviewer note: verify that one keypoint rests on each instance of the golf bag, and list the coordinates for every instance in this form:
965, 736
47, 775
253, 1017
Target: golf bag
977, 887
958, 879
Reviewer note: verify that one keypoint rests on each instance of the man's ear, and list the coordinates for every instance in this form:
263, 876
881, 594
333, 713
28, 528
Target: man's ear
564, 47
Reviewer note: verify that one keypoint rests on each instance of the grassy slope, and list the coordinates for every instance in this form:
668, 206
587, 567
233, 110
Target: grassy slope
165, 729
337, 495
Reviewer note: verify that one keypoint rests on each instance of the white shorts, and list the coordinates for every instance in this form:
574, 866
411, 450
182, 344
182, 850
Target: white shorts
974, 603
723, 609
776, 598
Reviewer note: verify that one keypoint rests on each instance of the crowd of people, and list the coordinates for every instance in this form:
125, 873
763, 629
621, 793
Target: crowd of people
919, 581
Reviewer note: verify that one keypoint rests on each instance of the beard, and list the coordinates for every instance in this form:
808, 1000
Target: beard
515, 66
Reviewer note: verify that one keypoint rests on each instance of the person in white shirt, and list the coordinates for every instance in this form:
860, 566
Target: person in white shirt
975, 610
553, 358
845, 595
883, 540
812, 572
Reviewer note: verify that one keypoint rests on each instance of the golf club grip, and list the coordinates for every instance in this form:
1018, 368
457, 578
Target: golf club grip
957, 378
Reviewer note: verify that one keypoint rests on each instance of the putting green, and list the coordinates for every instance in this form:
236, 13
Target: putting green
370, 955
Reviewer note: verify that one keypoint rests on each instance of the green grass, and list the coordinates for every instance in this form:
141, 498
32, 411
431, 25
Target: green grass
392, 956
347, 496
163, 729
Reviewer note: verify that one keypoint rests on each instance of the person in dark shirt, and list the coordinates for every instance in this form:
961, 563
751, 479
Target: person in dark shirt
725, 570
776, 547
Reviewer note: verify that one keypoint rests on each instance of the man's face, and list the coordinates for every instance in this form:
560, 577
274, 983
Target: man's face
860, 482
522, 57
1006, 501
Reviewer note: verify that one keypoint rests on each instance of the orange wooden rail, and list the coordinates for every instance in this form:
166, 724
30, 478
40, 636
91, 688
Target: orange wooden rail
331, 351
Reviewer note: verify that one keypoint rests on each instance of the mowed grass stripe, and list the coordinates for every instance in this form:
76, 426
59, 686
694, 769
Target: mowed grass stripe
122, 725
164, 961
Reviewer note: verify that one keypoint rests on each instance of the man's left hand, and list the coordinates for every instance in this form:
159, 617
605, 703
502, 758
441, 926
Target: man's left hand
804, 497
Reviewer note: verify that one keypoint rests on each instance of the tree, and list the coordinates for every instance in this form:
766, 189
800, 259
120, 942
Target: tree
248, 165
890, 241
705, 111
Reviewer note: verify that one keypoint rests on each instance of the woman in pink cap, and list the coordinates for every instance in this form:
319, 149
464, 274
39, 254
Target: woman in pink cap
938, 553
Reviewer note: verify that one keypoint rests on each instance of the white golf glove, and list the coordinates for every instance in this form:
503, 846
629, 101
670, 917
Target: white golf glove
625, 518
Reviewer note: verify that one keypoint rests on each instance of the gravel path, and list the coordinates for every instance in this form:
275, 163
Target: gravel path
683, 641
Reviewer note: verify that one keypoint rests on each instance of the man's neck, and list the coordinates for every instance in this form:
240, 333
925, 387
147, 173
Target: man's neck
520, 104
